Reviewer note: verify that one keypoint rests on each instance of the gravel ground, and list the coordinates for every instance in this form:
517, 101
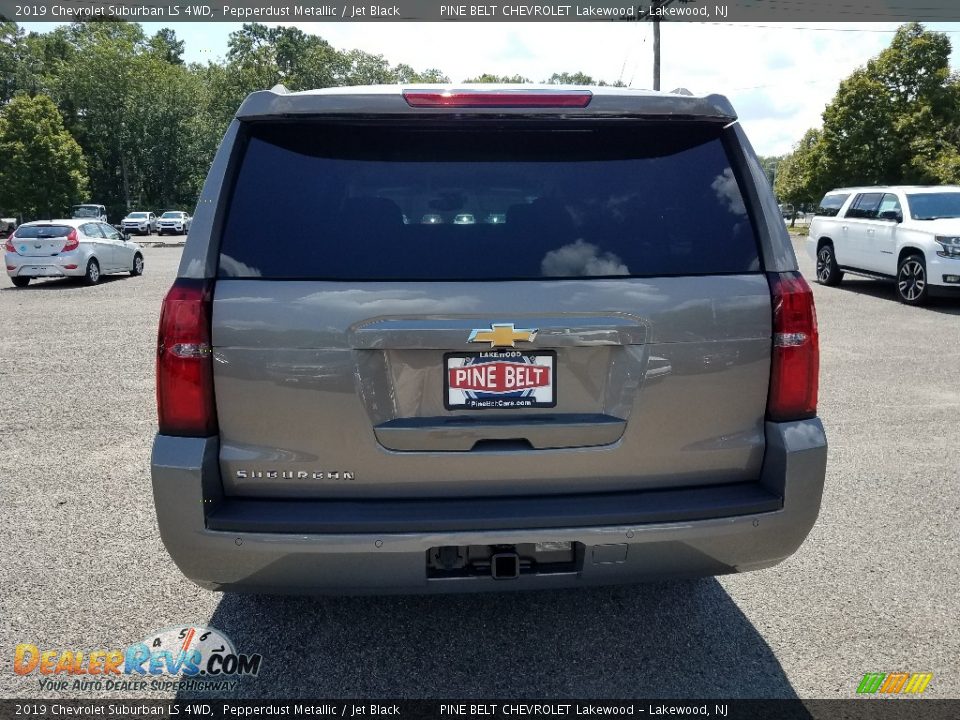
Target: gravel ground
874, 589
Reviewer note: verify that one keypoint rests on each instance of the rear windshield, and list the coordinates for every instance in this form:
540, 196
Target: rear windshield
398, 203
831, 204
33, 232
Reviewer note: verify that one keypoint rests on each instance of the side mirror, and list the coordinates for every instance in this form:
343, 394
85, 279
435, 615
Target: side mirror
894, 215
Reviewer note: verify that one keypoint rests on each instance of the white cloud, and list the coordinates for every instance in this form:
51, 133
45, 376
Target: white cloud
581, 259
727, 190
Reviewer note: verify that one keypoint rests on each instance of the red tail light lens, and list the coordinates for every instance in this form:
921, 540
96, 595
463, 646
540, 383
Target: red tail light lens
8, 245
185, 403
795, 368
72, 241
499, 98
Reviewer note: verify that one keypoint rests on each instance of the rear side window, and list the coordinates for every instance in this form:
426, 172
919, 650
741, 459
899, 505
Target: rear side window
31, 232
865, 206
418, 203
831, 204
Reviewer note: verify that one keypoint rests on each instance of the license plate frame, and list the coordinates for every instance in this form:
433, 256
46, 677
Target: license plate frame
538, 396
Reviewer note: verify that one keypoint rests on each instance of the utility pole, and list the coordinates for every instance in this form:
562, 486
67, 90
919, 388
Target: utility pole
656, 48
653, 14
655, 6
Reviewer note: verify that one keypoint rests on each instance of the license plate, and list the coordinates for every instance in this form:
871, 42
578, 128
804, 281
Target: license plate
39, 271
499, 379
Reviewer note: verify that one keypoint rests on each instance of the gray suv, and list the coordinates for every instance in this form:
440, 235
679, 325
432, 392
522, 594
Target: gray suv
609, 374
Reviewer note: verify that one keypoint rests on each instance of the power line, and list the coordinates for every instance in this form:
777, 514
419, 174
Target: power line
814, 29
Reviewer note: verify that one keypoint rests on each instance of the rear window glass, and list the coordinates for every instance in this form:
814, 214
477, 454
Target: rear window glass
41, 231
830, 205
399, 203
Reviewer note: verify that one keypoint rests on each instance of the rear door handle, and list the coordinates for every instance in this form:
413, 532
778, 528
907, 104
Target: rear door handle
465, 433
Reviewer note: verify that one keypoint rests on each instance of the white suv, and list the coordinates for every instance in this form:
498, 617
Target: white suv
909, 234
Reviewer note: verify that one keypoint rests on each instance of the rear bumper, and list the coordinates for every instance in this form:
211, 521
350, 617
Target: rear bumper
50, 266
214, 543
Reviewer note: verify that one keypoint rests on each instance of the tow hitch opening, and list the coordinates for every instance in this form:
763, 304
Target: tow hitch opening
504, 562
505, 566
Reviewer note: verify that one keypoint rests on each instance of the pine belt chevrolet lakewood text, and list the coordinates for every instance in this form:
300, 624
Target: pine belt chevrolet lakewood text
485, 338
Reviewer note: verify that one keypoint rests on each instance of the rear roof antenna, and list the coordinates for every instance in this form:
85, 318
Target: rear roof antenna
280, 89
681, 91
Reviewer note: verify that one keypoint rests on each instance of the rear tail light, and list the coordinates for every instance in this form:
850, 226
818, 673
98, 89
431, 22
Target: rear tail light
8, 245
185, 403
498, 98
72, 241
795, 367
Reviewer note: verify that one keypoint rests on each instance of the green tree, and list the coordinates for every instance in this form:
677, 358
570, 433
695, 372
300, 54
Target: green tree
43, 170
11, 43
800, 177
488, 78
167, 46
578, 78
897, 120
406, 74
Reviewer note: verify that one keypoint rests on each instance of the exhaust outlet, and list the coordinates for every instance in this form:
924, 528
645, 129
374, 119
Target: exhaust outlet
505, 566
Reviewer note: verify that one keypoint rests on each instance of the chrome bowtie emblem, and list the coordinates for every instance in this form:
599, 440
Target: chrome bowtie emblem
502, 335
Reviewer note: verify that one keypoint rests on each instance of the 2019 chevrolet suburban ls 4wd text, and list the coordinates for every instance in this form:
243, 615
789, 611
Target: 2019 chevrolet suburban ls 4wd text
906, 234
608, 374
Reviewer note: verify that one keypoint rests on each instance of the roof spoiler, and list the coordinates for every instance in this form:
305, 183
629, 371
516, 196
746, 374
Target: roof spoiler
389, 101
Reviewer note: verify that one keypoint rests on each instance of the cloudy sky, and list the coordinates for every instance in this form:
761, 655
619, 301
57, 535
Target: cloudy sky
778, 76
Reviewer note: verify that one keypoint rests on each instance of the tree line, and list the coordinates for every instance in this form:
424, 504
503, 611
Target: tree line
895, 121
102, 112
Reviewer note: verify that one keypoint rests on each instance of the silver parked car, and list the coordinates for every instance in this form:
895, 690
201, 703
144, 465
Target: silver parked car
78, 248
616, 380
143, 223
174, 221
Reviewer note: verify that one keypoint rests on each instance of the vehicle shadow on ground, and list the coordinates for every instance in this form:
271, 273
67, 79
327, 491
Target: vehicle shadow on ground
684, 639
63, 284
886, 291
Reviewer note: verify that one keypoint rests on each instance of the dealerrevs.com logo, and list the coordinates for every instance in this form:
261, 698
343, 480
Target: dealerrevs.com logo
894, 683
189, 657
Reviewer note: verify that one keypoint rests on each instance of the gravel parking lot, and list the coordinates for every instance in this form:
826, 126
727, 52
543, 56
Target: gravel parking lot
876, 588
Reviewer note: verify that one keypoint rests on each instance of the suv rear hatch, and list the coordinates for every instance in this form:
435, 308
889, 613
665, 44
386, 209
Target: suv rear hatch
465, 307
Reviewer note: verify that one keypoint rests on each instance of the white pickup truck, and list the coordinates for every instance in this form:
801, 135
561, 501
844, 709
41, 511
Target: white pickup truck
907, 234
